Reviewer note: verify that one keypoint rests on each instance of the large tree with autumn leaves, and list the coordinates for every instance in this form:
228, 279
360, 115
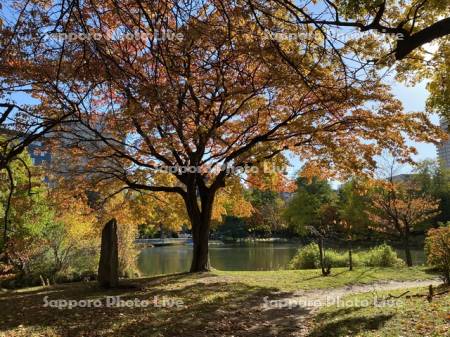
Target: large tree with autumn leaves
398, 207
196, 87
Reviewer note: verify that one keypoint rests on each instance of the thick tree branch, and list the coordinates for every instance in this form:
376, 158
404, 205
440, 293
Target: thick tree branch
426, 35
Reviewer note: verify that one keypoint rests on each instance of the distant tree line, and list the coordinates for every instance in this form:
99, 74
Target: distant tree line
386, 209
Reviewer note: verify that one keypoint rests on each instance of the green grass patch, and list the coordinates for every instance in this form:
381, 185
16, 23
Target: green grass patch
291, 280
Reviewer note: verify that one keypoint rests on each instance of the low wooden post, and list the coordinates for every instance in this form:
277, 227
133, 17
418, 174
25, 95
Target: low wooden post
430, 293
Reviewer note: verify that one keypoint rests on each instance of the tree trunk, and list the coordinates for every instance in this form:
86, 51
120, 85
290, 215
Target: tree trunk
199, 201
200, 257
320, 243
200, 216
409, 261
350, 257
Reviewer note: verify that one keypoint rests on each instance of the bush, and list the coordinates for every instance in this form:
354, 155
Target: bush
308, 257
437, 248
335, 259
381, 256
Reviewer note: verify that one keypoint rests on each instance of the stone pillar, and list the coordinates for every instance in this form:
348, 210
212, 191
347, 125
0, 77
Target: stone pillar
108, 275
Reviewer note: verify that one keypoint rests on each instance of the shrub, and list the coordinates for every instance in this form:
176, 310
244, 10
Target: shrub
437, 247
308, 257
335, 259
381, 256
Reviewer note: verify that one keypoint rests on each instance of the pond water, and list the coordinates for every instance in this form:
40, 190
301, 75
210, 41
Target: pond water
243, 256
239, 256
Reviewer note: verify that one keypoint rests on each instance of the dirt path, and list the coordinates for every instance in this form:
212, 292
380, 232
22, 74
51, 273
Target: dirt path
290, 314
320, 297
301, 306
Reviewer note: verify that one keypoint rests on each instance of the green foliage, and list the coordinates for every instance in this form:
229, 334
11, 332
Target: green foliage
312, 205
147, 231
267, 212
352, 207
48, 236
81, 264
434, 180
439, 84
232, 228
29, 213
380, 256
336, 259
308, 257
437, 247
353, 8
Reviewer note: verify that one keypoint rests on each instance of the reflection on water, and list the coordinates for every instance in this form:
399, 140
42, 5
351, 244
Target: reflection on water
244, 256
164, 260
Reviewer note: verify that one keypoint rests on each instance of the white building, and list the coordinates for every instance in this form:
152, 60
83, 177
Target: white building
443, 149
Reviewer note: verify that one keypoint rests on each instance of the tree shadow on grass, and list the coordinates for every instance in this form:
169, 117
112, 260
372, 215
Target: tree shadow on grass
320, 276
358, 275
337, 274
223, 309
324, 316
432, 271
211, 307
352, 326
355, 274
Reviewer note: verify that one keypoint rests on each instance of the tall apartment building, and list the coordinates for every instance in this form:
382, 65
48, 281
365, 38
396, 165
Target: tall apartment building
443, 149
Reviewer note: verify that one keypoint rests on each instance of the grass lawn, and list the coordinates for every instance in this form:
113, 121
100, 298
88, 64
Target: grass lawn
405, 316
291, 280
213, 304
